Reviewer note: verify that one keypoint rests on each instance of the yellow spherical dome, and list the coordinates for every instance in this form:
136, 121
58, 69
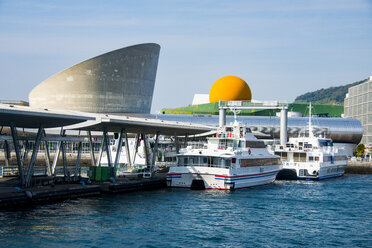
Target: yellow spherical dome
230, 88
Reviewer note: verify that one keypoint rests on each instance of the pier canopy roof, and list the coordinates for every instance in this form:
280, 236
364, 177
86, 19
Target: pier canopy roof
141, 125
26, 117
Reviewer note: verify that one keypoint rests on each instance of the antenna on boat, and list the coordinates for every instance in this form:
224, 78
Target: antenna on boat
235, 116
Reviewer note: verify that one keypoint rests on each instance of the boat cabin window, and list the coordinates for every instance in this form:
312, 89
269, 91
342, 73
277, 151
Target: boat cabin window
307, 145
316, 158
289, 145
283, 155
299, 157
225, 143
300, 143
255, 144
204, 161
328, 159
325, 143
259, 162
311, 158
229, 129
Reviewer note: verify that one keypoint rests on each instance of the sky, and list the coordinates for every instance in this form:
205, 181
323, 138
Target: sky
282, 49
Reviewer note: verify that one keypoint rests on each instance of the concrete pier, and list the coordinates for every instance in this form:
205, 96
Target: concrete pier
46, 191
359, 167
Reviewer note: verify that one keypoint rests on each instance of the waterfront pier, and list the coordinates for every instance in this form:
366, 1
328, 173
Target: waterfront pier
57, 180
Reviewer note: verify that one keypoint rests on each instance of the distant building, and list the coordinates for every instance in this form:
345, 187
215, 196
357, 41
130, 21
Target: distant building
120, 81
200, 99
358, 105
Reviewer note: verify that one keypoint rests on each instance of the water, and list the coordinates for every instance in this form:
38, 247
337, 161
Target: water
332, 213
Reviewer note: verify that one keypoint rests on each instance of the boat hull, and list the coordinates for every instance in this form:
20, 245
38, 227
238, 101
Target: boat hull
307, 171
221, 179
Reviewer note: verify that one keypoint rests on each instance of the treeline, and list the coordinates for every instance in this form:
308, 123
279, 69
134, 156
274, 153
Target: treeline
332, 95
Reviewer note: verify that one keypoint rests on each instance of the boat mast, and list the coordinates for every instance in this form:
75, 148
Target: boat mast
311, 134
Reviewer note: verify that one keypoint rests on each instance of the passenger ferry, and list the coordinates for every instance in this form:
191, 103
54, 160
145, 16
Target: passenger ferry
311, 158
234, 159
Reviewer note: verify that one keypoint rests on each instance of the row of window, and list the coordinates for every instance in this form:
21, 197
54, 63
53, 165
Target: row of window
356, 110
360, 89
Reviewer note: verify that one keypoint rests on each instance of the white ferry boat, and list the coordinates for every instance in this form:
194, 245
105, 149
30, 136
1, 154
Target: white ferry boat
234, 159
311, 158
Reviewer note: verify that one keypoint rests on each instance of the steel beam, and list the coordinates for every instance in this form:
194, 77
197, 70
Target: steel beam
64, 160
155, 152
58, 151
118, 151
47, 156
129, 161
77, 165
16, 148
177, 141
91, 149
30, 169
7, 152
107, 146
146, 149
135, 148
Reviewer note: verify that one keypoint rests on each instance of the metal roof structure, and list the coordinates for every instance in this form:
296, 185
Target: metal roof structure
26, 117
131, 124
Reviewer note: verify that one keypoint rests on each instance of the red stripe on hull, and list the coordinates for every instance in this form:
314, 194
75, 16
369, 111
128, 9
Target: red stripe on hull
247, 175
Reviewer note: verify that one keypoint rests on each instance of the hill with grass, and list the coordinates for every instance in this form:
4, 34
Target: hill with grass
329, 96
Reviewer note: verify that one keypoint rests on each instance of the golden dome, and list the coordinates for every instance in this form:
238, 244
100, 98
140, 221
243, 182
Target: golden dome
230, 88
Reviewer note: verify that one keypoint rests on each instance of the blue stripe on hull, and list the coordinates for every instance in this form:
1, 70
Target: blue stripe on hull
320, 178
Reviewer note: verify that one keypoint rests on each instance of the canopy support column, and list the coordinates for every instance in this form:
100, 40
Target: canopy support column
129, 161
30, 169
107, 146
91, 149
118, 151
77, 165
155, 152
47, 157
146, 149
135, 148
18, 155
56, 155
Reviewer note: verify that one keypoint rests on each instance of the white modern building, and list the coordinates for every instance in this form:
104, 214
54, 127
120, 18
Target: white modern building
358, 105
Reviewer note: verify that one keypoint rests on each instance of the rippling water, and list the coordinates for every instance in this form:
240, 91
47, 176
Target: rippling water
336, 212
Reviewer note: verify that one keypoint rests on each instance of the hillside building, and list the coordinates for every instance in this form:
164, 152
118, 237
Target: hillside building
358, 105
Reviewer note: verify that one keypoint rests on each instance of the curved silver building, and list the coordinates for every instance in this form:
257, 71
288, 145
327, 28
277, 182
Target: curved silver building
341, 130
121, 81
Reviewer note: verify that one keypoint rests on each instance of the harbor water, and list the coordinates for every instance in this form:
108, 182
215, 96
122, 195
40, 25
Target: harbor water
331, 213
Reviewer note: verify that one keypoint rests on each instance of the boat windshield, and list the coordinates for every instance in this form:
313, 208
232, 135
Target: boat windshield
325, 143
204, 161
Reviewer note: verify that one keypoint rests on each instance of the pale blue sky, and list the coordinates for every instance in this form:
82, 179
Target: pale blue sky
280, 48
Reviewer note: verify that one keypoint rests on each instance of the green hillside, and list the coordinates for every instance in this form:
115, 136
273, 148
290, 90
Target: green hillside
212, 109
332, 95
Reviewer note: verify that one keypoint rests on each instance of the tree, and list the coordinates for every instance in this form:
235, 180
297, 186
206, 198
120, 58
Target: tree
360, 150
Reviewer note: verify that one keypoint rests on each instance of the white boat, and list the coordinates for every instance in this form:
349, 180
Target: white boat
234, 159
311, 157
